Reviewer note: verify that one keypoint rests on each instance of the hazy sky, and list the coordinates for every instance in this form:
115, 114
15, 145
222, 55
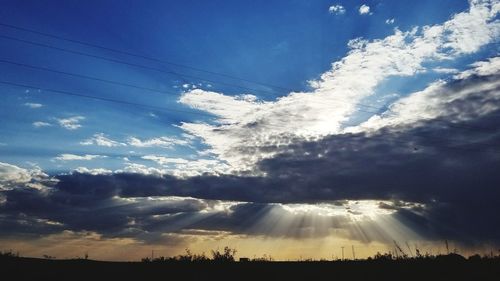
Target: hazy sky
289, 128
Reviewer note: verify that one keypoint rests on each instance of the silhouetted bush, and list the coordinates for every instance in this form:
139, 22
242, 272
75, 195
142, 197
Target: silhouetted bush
264, 258
8, 254
187, 257
383, 257
226, 256
475, 257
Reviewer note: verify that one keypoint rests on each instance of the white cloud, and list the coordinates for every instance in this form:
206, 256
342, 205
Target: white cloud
135, 168
165, 142
481, 68
164, 160
445, 70
199, 167
247, 130
100, 139
33, 105
96, 171
364, 9
432, 102
71, 123
389, 21
74, 157
180, 167
39, 124
467, 32
12, 176
336, 10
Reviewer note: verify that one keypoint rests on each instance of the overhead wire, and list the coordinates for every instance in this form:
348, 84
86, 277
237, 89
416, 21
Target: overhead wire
169, 110
377, 108
163, 61
160, 70
116, 82
77, 75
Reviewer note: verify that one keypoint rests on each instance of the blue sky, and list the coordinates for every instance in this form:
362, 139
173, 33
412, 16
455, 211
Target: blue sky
283, 43
252, 122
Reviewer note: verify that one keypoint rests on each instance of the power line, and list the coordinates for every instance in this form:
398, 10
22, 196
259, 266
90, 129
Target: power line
155, 60
129, 63
138, 87
78, 75
142, 66
139, 56
105, 81
87, 77
166, 92
141, 87
69, 93
164, 109
157, 69
180, 74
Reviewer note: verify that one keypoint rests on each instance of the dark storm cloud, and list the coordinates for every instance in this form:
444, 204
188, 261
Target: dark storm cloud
92, 210
450, 164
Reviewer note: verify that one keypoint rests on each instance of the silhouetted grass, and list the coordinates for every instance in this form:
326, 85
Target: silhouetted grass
221, 265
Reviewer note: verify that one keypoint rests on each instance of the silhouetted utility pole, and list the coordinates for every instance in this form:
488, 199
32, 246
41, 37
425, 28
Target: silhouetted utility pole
353, 254
152, 255
342, 252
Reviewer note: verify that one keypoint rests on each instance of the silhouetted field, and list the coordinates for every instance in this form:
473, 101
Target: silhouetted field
447, 267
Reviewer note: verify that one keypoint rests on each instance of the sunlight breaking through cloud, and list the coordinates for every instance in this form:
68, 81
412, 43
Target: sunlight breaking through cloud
353, 209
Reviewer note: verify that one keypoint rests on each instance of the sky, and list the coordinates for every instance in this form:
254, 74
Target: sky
285, 128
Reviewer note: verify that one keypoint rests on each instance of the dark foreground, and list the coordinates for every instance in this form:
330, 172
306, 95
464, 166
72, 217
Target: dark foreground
42, 269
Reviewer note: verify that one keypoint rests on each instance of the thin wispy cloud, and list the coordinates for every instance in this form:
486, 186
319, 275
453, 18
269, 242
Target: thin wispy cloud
74, 157
445, 70
100, 139
247, 128
313, 128
337, 9
40, 124
71, 123
165, 142
162, 160
95, 171
364, 9
33, 105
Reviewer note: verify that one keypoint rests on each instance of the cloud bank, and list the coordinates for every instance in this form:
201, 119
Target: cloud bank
300, 166
245, 127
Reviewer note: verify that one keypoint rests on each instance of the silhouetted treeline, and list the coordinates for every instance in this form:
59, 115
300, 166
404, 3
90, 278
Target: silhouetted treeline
227, 254
221, 265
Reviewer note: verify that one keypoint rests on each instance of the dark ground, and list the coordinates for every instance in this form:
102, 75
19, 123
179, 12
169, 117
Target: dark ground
436, 269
